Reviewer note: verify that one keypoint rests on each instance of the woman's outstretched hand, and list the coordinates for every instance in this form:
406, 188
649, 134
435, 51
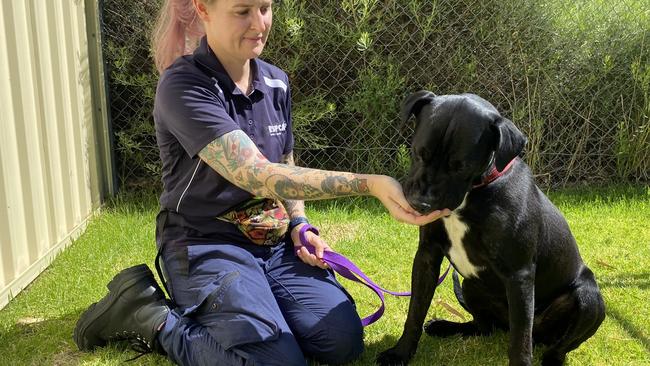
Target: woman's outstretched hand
389, 192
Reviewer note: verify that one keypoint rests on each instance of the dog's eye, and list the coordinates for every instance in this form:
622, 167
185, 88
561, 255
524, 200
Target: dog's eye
456, 165
422, 155
425, 154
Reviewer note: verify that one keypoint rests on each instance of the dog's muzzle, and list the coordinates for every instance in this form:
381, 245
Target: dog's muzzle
421, 207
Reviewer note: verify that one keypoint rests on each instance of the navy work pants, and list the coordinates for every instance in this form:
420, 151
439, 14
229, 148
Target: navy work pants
255, 305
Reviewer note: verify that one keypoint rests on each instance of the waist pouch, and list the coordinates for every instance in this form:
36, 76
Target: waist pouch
263, 221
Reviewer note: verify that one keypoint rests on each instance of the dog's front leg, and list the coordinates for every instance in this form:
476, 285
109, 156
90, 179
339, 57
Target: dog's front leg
426, 269
520, 289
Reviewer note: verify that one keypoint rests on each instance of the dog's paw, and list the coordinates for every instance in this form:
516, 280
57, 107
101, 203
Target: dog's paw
444, 328
552, 358
391, 357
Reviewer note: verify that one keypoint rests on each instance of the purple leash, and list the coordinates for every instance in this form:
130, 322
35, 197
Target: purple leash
346, 268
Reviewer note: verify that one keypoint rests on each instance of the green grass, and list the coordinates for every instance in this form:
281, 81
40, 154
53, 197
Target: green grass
612, 226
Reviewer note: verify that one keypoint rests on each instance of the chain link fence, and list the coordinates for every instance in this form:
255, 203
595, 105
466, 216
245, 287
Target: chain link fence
574, 76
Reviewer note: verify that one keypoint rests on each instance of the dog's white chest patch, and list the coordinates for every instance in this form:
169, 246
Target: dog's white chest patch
456, 230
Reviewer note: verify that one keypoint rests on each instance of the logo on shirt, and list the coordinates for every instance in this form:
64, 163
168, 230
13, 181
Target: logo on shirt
278, 129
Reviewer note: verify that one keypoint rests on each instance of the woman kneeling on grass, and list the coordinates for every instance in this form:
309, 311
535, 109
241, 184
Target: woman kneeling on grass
244, 290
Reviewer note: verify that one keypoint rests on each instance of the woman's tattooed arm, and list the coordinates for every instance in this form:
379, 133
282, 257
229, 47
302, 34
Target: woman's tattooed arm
295, 208
235, 157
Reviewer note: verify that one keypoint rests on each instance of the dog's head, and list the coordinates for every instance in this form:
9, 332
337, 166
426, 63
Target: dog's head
457, 137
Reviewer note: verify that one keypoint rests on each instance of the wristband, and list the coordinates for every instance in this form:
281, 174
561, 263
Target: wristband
297, 221
303, 230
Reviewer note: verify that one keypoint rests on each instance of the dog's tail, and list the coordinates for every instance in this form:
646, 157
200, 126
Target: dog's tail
458, 290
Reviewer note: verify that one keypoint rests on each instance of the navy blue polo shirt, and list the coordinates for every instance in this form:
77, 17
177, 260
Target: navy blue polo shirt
197, 102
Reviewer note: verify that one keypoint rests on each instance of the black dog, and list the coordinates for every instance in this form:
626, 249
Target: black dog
520, 263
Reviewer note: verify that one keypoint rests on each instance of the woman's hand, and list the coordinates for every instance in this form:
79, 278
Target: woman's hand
319, 244
390, 193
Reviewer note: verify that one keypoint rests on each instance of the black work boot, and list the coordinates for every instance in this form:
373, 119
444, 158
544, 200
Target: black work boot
133, 310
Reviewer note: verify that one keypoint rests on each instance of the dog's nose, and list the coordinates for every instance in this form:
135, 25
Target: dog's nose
421, 206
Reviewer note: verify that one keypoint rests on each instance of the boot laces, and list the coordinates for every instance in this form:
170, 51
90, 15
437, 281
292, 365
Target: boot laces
137, 342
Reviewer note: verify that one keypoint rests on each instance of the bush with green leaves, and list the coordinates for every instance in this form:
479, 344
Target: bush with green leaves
132, 79
574, 76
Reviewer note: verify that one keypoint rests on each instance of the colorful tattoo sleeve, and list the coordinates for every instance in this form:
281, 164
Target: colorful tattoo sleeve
235, 157
295, 208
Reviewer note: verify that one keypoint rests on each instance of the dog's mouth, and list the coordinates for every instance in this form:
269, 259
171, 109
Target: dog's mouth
425, 208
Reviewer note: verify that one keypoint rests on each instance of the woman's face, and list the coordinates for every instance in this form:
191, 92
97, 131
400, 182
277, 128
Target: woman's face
237, 29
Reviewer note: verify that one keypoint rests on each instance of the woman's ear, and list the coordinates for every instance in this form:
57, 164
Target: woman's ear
201, 10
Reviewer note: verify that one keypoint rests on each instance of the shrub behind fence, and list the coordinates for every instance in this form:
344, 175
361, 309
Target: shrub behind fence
573, 75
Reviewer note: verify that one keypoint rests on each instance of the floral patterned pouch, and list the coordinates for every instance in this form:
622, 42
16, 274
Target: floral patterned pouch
264, 221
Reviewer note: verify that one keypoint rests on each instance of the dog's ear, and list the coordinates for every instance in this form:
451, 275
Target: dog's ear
510, 142
413, 104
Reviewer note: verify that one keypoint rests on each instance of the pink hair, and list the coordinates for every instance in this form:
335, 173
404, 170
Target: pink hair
177, 32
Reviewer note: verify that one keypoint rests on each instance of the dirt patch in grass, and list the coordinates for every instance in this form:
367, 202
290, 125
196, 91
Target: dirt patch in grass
66, 357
